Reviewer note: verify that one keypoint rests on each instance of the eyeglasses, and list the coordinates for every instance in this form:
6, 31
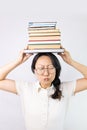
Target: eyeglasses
41, 69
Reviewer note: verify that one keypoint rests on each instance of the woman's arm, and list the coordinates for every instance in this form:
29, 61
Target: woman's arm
81, 83
8, 84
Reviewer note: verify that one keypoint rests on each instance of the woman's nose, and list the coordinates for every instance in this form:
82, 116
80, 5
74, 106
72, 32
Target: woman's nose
46, 71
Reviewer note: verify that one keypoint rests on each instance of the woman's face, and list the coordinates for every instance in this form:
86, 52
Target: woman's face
45, 71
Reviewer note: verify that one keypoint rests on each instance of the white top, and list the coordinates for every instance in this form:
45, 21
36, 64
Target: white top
41, 112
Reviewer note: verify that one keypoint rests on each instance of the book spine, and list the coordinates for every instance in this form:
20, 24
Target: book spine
43, 46
44, 31
45, 38
42, 24
45, 42
44, 34
50, 40
41, 28
48, 44
44, 50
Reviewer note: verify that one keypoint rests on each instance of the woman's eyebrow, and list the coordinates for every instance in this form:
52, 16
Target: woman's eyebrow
44, 65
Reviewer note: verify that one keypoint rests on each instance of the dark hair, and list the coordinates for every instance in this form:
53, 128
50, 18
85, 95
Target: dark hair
56, 82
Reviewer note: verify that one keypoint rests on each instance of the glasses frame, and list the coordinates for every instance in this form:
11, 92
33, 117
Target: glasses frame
50, 69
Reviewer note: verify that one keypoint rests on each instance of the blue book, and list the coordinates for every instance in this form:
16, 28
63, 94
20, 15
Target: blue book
42, 24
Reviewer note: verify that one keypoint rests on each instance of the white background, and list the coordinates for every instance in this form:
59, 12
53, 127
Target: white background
72, 21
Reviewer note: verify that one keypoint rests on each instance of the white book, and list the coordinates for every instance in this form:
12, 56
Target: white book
45, 42
44, 50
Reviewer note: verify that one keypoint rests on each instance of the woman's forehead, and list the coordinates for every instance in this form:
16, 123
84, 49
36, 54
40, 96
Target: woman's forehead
44, 60
43, 65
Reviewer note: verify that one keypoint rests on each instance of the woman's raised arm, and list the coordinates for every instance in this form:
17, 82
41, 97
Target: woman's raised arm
82, 82
8, 84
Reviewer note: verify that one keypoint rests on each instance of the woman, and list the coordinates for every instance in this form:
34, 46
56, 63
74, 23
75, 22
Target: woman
44, 102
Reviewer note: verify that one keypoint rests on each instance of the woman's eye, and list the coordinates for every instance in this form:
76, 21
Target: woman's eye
41, 68
50, 67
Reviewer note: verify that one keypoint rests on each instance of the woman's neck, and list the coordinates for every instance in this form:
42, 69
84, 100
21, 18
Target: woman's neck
45, 85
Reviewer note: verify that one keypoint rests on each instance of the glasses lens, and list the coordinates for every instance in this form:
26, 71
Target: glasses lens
41, 70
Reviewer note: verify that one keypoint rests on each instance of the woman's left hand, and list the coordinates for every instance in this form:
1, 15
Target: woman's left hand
66, 57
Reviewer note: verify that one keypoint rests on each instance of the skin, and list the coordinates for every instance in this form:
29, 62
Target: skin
47, 78
9, 84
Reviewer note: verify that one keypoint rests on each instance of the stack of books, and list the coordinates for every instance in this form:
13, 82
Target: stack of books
44, 37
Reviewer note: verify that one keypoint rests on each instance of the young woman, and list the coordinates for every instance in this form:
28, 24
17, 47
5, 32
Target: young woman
44, 102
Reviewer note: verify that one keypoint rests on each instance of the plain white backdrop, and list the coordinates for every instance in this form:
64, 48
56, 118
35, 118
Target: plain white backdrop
71, 17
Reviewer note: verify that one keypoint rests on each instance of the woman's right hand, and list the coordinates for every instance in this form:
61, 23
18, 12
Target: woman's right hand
23, 56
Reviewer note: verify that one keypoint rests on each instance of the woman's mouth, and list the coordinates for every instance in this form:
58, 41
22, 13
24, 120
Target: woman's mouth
46, 79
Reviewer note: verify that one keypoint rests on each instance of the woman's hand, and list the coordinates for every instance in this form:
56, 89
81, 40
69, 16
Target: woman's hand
66, 57
23, 56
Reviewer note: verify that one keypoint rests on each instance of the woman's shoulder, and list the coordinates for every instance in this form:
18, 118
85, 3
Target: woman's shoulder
67, 83
25, 83
22, 85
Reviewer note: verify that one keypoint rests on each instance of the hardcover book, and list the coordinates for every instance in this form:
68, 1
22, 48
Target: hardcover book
45, 50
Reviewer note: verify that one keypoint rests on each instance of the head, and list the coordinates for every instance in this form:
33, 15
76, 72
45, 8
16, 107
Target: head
46, 67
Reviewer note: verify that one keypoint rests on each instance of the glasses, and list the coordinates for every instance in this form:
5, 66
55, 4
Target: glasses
41, 69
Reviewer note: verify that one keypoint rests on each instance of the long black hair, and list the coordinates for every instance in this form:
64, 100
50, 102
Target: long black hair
56, 82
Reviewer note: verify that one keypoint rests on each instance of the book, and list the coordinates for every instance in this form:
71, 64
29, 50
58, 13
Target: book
45, 34
45, 51
50, 40
41, 28
42, 46
45, 42
41, 24
31, 31
44, 38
